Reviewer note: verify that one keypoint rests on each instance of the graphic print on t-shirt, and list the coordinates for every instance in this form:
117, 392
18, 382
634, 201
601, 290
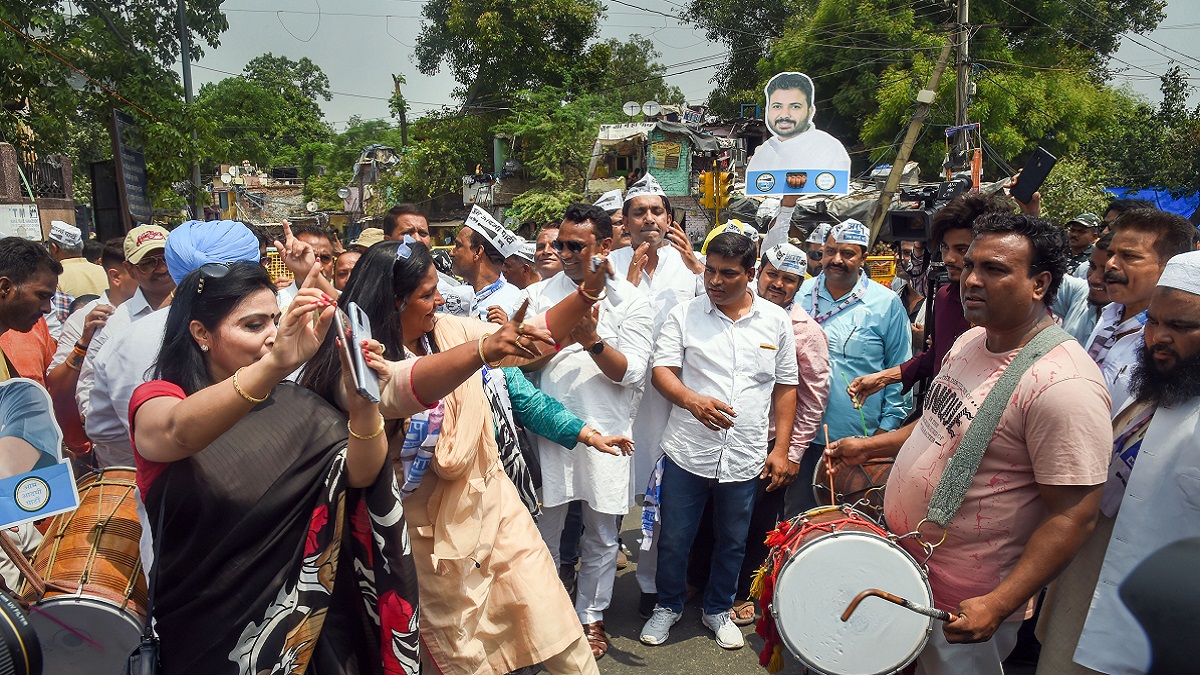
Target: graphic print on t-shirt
950, 404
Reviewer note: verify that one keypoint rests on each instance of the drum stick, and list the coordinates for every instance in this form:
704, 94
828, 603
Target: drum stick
933, 613
829, 468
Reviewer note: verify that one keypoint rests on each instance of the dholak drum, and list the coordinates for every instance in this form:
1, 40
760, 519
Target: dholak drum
860, 486
94, 551
836, 554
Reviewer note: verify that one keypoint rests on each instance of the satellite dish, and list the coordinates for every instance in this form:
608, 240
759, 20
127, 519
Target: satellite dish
651, 108
234, 171
311, 207
344, 193
631, 108
226, 178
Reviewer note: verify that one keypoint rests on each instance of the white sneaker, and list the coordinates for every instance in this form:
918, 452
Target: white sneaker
728, 634
657, 629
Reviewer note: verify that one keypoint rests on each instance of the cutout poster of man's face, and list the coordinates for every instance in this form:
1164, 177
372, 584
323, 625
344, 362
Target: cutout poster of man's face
798, 158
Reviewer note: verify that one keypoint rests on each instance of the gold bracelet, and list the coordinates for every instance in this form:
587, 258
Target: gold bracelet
590, 436
382, 424
484, 358
242, 393
71, 365
593, 298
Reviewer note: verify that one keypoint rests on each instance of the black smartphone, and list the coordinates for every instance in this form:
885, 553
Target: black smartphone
1033, 175
353, 327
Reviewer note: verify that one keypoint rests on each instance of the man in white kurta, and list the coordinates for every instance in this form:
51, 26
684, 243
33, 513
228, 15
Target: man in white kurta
1153, 490
598, 375
659, 268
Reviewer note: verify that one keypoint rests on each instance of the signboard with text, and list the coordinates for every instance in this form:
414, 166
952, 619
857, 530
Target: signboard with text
130, 161
20, 220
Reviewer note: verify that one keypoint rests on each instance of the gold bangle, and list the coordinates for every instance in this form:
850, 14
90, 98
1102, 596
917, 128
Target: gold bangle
382, 424
242, 392
71, 365
593, 298
591, 435
484, 358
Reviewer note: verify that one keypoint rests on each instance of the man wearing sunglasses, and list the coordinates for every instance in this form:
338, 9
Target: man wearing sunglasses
323, 243
814, 248
599, 374
146, 266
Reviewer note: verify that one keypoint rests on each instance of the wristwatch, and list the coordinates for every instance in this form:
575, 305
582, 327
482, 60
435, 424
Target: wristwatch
597, 348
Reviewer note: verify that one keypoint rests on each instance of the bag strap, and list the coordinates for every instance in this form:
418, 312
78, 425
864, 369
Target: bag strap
148, 629
960, 470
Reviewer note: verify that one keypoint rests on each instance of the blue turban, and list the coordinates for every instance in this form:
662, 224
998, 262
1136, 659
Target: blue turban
196, 243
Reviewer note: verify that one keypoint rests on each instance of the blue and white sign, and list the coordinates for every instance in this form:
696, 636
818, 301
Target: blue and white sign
798, 182
798, 158
35, 479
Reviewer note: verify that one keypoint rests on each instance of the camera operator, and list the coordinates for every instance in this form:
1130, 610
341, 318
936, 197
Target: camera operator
951, 235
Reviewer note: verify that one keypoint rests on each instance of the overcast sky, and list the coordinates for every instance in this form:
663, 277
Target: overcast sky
360, 43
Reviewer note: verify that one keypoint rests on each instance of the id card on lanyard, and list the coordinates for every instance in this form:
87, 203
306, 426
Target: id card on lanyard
859, 292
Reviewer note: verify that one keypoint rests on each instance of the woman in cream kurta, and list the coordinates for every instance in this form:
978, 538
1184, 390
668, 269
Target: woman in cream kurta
490, 596
491, 601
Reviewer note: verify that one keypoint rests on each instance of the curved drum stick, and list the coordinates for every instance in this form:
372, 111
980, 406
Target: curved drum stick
940, 615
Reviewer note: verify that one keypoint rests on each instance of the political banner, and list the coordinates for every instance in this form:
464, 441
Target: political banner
798, 158
35, 479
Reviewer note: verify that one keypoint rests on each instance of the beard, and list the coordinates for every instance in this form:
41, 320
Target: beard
1169, 389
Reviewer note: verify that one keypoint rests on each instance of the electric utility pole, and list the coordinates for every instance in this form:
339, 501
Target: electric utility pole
185, 53
963, 83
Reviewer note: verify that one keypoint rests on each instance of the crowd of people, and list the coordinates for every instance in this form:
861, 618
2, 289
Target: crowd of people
537, 392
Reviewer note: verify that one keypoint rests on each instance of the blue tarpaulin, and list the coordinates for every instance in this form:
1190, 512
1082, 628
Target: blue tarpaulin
1184, 206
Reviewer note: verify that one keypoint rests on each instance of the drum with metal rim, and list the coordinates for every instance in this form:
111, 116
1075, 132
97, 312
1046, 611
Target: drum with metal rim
836, 554
857, 485
92, 613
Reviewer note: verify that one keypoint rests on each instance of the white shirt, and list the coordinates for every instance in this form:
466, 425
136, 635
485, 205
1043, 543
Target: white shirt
1161, 505
133, 309
738, 363
814, 149
1117, 365
672, 284
573, 378
464, 301
123, 363
72, 331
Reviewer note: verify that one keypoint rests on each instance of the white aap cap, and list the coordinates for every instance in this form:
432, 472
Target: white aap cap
819, 234
610, 201
787, 258
65, 234
647, 186
850, 231
489, 228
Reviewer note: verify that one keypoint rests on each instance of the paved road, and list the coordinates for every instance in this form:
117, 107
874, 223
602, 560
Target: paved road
691, 648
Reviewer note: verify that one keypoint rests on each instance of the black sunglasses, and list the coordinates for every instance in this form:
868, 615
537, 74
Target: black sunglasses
572, 246
816, 255
211, 271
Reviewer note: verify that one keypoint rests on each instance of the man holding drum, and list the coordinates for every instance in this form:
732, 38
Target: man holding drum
1030, 501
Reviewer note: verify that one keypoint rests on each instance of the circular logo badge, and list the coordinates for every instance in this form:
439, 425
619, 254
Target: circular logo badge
764, 182
825, 180
32, 494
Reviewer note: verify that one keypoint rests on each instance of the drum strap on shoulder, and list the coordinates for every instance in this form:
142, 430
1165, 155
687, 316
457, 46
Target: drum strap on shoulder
960, 470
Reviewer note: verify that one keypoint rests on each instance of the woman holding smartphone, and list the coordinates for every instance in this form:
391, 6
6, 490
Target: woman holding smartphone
280, 538
491, 598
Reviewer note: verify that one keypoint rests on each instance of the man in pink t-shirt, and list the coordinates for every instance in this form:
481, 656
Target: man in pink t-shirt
1034, 499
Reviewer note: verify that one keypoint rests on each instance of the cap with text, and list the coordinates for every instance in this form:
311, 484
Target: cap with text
787, 258
142, 240
819, 234
482, 223
610, 201
647, 186
65, 235
850, 231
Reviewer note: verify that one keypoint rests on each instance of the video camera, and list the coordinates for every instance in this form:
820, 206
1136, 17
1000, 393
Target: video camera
915, 223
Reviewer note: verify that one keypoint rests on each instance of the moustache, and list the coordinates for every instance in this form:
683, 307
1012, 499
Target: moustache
1163, 349
837, 266
1111, 277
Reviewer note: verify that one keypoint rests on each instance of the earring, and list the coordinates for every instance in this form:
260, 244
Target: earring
204, 348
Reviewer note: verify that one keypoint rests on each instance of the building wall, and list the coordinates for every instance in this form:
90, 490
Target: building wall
676, 182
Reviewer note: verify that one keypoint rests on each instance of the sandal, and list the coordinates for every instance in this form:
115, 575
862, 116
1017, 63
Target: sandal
744, 613
597, 639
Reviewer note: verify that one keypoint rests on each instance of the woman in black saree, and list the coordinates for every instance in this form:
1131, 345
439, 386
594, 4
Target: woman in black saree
283, 543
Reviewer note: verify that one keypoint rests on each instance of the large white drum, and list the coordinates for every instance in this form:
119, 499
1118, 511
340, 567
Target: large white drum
819, 581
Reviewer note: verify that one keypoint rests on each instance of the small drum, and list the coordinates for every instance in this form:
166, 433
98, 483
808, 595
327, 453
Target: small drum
860, 486
93, 550
836, 554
